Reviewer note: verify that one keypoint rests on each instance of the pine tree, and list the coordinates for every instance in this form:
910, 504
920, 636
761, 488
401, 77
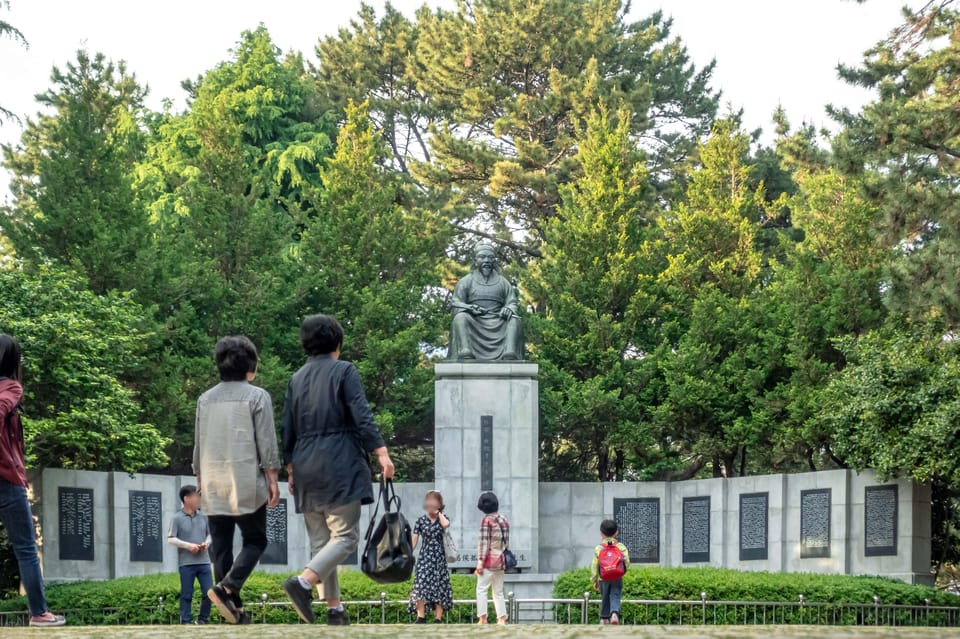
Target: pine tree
372, 263
7, 30
72, 179
510, 77
906, 147
590, 292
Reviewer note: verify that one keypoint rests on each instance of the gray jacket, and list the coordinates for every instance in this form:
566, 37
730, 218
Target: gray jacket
235, 442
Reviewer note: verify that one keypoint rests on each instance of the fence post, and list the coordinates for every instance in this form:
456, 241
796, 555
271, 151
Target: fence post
383, 607
926, 612
583, 611
703, 607
876, 610
511, 602
159, 609
801, 608
263, 607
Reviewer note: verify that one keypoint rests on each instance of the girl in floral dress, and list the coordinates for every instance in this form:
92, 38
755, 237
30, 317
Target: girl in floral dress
431, 585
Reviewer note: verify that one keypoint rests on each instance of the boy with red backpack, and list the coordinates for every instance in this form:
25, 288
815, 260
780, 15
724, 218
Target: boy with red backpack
610, 562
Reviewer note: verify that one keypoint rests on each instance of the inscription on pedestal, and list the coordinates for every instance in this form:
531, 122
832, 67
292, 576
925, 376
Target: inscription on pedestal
75, 510
754, 508
486, 452
276, 551
696, 529
639, 523
146, 524
815, 523
880, 520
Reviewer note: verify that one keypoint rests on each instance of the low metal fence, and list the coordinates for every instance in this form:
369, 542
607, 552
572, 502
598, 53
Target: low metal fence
584, 610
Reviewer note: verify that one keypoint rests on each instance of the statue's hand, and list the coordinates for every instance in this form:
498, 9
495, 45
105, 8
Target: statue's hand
476, 309
506, 312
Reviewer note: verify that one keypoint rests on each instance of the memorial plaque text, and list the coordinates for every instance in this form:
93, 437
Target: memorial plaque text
880, 520
486, 452
815, 523
75, 509
696, 529
639, 523
754, 516
276, 552
146, 525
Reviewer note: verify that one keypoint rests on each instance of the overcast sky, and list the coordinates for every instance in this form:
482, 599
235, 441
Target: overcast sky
768, 52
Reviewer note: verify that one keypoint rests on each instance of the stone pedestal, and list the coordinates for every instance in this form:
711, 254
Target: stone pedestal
487, 434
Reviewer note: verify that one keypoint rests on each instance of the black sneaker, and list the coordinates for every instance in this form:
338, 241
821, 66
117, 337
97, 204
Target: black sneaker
245, 618
301, 598
224, 602
337, 617
420, 620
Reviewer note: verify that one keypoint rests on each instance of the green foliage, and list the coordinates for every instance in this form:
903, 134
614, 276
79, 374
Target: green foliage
83, 354
504, 139
7, 30
73, 200
373, 263
136, 600
589, 292
906, 145
731, 585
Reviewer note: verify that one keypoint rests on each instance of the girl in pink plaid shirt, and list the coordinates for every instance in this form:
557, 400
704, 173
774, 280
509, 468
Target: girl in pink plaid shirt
494, 539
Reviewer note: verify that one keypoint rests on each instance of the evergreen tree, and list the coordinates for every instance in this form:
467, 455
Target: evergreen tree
373, 264
73, 198
906, 147
591, 291
510, 77
224, 185
7, 30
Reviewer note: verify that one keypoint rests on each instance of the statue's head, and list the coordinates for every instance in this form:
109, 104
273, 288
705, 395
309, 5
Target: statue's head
485, 258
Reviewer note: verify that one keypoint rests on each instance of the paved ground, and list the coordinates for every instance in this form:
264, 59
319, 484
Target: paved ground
457, 632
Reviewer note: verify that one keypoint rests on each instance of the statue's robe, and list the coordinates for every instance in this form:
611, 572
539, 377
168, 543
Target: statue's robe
488, 336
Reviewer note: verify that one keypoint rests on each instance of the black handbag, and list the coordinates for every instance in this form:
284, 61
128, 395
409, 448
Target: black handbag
388, 550
509, 559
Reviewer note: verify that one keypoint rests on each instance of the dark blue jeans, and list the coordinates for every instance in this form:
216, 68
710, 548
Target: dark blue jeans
611, 591
202, 574
16, 517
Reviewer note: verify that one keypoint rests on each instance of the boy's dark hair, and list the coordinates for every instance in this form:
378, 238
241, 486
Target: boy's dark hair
236, 356
186, 491
320, 335
608, 528
11, 356
488, 503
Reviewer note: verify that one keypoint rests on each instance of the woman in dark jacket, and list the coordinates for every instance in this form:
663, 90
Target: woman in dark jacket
15, 514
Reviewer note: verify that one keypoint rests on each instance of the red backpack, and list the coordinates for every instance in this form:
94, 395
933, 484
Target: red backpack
611, 562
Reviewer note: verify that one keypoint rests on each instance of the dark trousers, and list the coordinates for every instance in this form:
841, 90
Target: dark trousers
227, 570
611, 592
16, 517
188, 574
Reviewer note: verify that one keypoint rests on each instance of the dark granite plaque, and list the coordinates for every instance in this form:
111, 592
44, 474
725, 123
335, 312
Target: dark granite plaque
486, 452
75, 510
815, 523
146, 525
696, 529
753, 525
276, 552
880, 511
639, 524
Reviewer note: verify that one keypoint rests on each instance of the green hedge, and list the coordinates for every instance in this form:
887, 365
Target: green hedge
841, 591
135, 600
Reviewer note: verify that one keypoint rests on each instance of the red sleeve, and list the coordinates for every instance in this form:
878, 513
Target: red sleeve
10, 397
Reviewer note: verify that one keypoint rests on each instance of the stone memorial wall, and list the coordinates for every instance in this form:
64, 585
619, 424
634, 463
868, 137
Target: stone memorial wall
105, 525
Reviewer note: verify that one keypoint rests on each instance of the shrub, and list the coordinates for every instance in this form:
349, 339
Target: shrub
842, 592
136, 600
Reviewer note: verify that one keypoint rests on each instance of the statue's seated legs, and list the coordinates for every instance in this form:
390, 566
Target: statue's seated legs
459, 340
